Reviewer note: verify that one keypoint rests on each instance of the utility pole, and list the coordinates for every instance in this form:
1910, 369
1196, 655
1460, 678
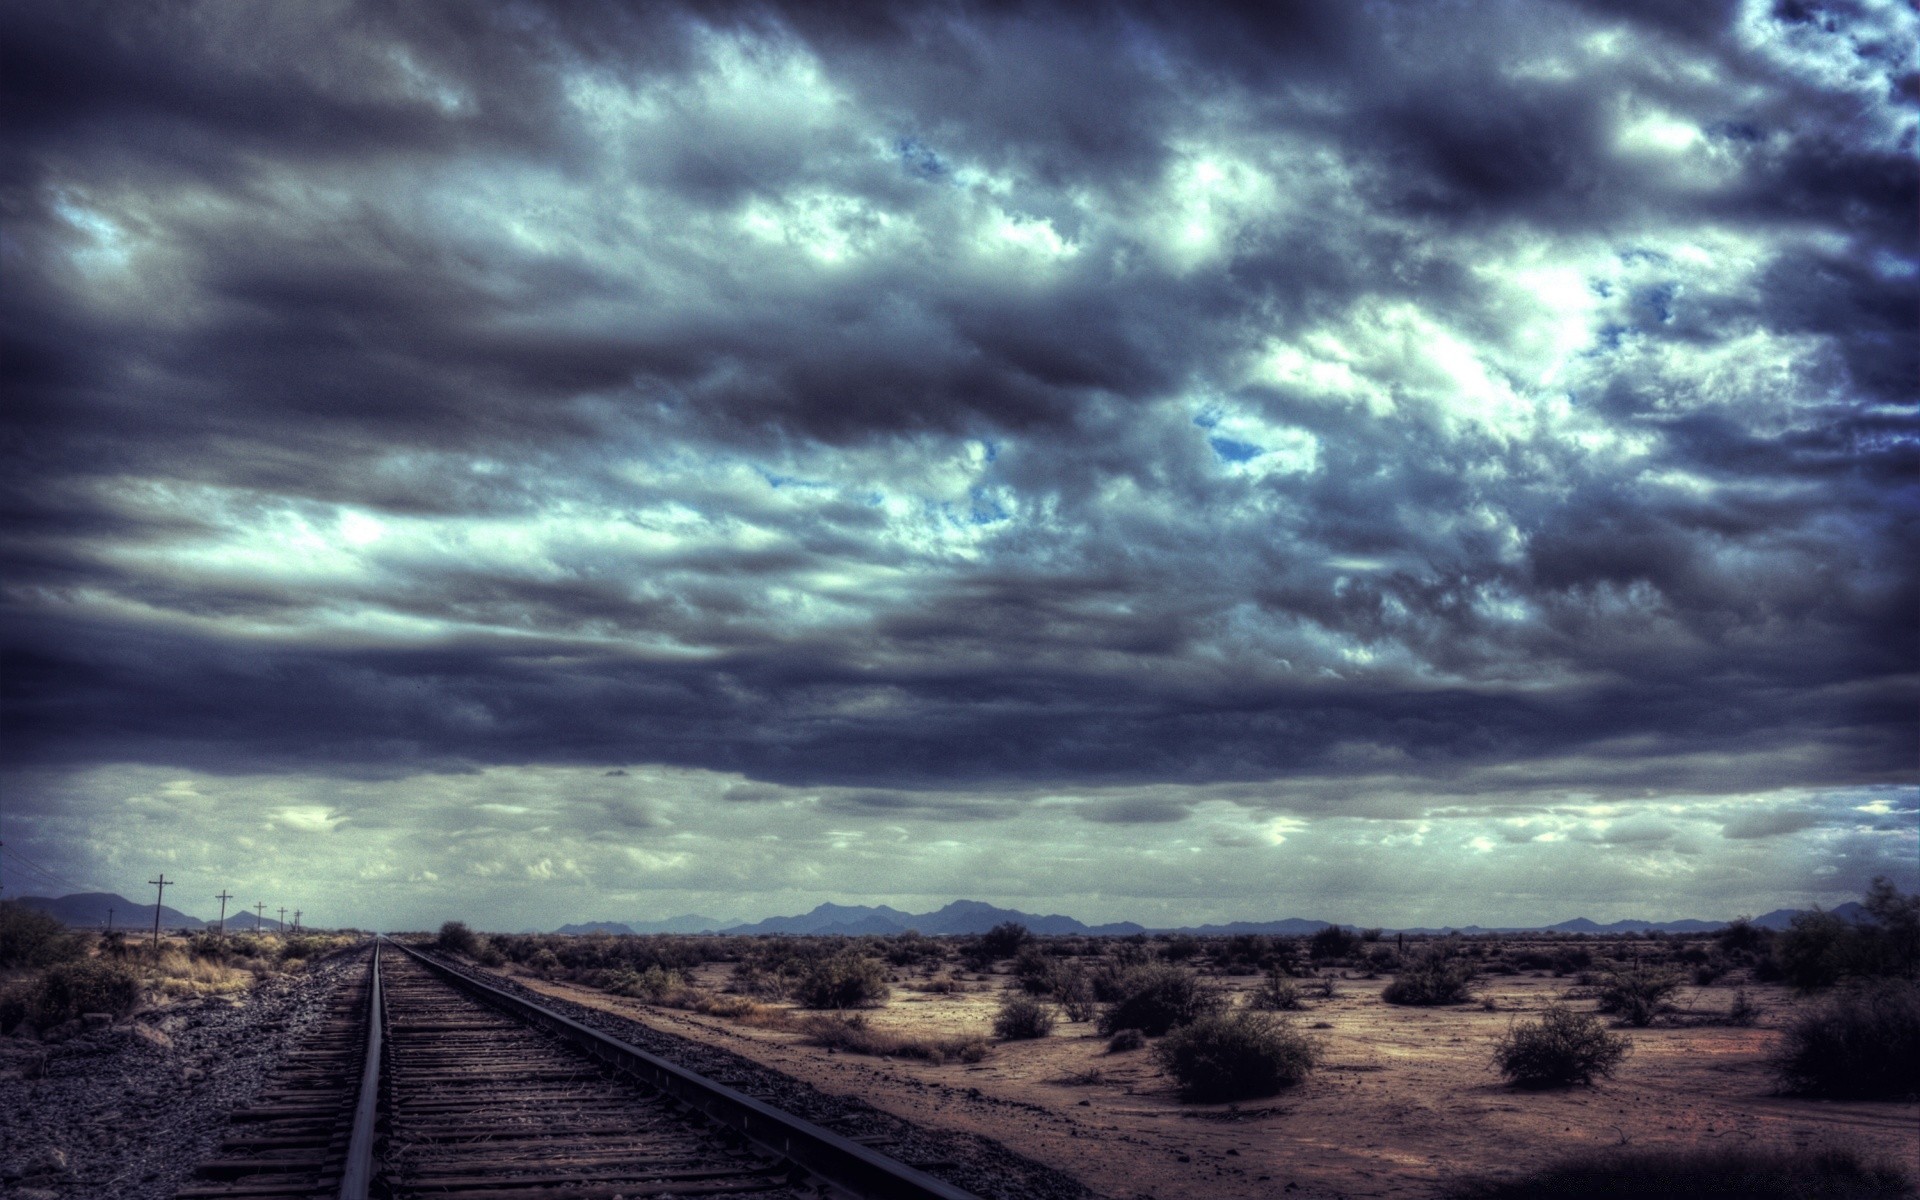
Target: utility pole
296, 920
223, 897
109, 918
160, 883
259, 916
283, 920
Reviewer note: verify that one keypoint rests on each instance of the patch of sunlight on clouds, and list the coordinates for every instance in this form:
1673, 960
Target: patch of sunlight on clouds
306, 818
1207, 198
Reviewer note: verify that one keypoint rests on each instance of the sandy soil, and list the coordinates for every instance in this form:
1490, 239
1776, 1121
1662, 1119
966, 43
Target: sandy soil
1404, 1098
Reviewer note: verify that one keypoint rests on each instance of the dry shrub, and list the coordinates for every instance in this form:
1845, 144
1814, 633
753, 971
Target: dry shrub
66, 991
1637, 994
1560, 1049
1159, 998
31, 938
1732, 1174
1859, 1044
1279, 994
1438, 976
653, 984
456, 938
1125, 1040
854, 1035
1022, 1017
1235, 1056
844, 981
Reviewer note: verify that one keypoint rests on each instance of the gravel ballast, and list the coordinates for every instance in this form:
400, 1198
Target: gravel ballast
978, 1164
126, 1109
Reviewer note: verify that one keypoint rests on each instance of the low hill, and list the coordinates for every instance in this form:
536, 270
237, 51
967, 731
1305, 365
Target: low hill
94, 910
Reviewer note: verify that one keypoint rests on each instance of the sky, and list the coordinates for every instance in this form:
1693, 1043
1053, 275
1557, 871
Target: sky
1387, 463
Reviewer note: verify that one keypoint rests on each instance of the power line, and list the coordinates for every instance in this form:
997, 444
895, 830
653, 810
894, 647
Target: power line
22, 860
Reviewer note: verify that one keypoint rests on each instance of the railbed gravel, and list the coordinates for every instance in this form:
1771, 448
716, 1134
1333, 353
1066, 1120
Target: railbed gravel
978, 1164
126, 1110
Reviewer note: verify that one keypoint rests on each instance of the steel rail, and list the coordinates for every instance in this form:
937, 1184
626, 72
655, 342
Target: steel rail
357, 1176
838, 1160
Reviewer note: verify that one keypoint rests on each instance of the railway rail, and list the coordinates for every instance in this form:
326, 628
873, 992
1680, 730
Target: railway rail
421, 1082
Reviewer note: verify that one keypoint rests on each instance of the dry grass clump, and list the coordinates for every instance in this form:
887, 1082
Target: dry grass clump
1235, 1056
1859, 1044
1727, 1174
1562, 1048
854, 1035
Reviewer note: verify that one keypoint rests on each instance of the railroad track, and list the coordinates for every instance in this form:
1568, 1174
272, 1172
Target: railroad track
422, 1083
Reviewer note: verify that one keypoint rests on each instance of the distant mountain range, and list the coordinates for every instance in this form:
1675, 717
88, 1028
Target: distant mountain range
89, 910
94, 910
973, 916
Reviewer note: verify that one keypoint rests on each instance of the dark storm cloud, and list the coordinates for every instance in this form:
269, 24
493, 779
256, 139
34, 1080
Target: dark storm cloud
570, 298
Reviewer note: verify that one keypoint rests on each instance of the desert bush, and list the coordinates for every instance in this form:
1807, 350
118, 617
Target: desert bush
1073, 989
853, 1034
1129, 951
1862, 1043
1004, 940
1037, 971
1438, 976
653, 984
1160, 998
1235, 1056
1663, 1174
912, 948
304, 946
1377, 959
456, 938
1742, 936
1279, 994
1124, 1040
1333, 942
1744, 1011
1021, 1017
844, 981
16, 1001
1814, 950
1819, 949
67, 990
1562, 1048
1179, 947
544, 962
1636, 994
31, 938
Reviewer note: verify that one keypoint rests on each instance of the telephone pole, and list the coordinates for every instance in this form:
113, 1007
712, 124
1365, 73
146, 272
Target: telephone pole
296, 920
259, 916
283, 921
109, 918
223, 897
160, 883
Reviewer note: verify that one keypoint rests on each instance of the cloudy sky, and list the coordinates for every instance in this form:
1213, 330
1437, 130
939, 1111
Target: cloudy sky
1386, 463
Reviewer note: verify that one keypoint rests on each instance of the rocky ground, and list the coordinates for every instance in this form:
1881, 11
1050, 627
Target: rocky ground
979, 1164
125, 1109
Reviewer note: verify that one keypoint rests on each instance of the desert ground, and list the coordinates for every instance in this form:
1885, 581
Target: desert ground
1403, 1099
